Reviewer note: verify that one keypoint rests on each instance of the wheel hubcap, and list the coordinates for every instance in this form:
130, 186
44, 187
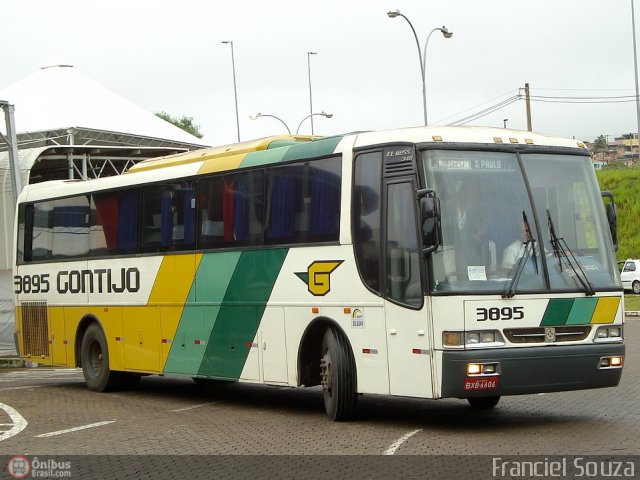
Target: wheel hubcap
325, 374
95, 358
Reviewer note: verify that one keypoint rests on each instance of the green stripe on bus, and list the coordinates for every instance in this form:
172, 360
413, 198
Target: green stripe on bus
582, 311
264, 157
316, 148
244, 303
200, 312
557, 312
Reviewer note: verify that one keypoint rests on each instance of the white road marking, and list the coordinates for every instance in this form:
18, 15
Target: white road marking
74, 429
395, 445
21, 388
19, 423
192, 407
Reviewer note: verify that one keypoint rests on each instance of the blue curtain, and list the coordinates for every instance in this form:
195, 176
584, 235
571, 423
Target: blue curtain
282, 219
325, 204
128, 221
70, 216
241, 209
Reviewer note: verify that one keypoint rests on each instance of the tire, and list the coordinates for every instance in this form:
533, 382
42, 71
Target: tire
635, 286
338, 376
95, 361
483, 403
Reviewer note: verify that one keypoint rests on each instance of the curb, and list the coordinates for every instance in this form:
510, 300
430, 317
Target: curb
10, 362
632, 314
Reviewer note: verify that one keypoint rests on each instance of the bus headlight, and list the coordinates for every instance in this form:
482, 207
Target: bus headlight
472, 339
477, 369
608, 334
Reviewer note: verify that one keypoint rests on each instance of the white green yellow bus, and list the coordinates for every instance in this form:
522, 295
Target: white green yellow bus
430, 262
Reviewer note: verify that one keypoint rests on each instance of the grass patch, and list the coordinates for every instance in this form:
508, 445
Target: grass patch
625, 185
631, 302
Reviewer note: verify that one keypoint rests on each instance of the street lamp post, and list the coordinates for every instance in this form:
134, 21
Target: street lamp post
635, 65
422, 54
310, 95
504, 122
235, 90
324, 114
258, 115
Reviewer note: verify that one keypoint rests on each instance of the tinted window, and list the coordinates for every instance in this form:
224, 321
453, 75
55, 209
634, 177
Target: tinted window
366, 217
303, 202
60, 228
168, 216
114, 222
231, 209
402, 262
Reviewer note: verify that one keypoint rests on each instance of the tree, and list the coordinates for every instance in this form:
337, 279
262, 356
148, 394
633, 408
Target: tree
183, 122
600, 144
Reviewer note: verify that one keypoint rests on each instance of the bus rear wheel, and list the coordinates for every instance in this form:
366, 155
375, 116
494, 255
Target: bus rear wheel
95, 364
337, 377
483, 403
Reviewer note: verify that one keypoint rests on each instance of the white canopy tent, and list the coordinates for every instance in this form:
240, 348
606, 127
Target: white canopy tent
69, 126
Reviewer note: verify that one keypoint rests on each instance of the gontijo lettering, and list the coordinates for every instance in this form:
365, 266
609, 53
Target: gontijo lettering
99, 280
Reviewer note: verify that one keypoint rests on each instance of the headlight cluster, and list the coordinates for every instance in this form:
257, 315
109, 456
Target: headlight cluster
608, 334
472, 339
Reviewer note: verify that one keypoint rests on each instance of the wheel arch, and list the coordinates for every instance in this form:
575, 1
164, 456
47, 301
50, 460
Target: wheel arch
80, 331
310, 348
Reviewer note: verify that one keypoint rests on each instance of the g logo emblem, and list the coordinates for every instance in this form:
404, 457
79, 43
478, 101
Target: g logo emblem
318, 276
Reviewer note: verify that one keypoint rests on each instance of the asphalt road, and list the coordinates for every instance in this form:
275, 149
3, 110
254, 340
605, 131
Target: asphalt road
47, 411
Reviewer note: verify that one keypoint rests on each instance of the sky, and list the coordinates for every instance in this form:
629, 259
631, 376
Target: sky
168, 55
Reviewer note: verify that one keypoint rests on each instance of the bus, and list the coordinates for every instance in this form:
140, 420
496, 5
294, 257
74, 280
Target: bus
427, 262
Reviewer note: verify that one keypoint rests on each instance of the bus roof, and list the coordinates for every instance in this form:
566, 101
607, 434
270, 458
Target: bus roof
284, 148
465, 134
213, 153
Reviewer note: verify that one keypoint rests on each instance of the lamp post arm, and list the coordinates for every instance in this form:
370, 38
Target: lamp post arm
422, 72
277, 118
302, 121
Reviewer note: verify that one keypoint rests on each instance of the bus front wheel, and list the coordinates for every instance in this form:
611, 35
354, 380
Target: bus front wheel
483, 403
338, 377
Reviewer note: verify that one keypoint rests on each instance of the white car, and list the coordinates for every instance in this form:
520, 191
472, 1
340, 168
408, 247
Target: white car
630, 275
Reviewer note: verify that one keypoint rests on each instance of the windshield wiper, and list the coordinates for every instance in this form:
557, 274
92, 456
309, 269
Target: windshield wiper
560, 249
529, 250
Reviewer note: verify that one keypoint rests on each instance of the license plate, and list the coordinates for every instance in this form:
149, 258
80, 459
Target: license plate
482, 383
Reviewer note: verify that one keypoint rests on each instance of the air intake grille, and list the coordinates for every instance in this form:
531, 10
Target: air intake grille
35, 327
537, 334
398, 169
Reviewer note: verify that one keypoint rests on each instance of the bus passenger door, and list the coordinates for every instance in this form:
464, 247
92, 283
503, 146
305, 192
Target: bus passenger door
406, 312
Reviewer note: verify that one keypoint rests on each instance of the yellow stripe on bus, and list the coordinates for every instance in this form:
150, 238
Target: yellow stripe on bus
222, 164
171, 289
606, 310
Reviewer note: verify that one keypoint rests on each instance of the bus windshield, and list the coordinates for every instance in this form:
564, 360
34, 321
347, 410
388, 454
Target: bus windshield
491, 240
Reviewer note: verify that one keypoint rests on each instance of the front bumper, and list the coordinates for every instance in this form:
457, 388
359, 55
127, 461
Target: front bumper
531, 370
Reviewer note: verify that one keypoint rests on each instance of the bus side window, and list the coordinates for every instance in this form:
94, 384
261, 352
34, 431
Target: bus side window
114, 223
168, 212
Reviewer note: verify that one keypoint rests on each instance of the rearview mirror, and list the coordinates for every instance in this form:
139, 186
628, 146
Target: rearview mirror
430, 217
611, 210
